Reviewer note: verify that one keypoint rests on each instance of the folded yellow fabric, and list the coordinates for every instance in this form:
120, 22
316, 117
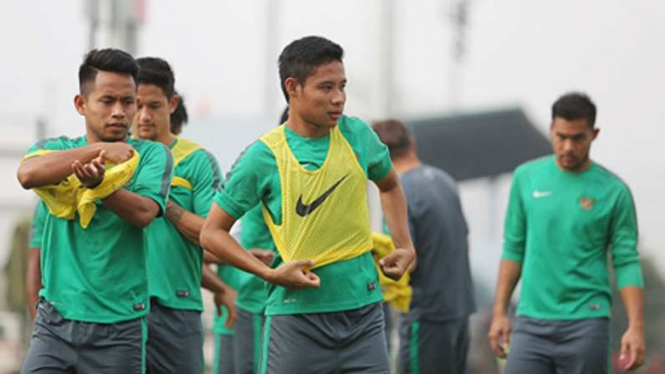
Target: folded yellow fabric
397, 293
69, 196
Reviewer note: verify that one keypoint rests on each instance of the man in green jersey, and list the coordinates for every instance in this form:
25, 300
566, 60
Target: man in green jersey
565, 213
175, 260
318, 318
91, 318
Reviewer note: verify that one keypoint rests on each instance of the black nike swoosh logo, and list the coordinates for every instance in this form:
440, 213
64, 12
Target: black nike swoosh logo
302, 210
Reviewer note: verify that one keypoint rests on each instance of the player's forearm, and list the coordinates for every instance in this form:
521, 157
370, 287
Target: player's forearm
509, 275
210, 258
53, 167
186, 222
138, 210
33, 279
210, 281
393, 203
633, 302
221, 244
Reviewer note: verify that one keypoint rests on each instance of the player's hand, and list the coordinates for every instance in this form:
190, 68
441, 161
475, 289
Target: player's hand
397, 263
499, 335
117, 152
227, 299
264, 255
92, 173
632, 351
295, 274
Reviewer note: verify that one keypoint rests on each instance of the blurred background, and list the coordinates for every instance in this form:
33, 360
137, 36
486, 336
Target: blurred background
475, 79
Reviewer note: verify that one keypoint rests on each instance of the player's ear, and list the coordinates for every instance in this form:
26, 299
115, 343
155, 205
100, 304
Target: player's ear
291, 84
79, 104
173, 103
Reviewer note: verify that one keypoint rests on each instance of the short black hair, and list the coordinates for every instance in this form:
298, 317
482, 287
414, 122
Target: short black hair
575, 105
396, 135
109, 59
154, 70
179, 116
300, 59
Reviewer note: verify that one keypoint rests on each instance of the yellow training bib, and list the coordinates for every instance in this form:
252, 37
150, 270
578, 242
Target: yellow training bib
325, 216
182, 149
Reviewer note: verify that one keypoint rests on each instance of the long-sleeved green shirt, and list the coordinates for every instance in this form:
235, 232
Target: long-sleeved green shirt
560, 226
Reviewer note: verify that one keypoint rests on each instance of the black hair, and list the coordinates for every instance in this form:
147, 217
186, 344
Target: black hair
300, 59
179, 116
154, 70
284, 116
109, 59
396, 135
575, 105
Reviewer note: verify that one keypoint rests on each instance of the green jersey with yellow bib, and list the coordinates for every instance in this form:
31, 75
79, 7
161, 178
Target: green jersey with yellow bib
174, 262
322, 180
325, 217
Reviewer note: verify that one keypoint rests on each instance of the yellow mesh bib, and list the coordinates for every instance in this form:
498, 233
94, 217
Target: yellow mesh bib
325, 216
182, 149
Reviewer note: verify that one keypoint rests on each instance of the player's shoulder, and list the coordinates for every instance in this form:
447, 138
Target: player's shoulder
60, 143
354, 125
534, 166
609, 178
151, 150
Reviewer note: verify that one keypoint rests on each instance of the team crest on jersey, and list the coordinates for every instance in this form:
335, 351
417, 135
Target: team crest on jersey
586, 203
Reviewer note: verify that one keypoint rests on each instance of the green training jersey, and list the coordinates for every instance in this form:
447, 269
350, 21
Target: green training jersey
37, 225
254, 234
174, 263
234, 278
560, 226
99, 274
345, 285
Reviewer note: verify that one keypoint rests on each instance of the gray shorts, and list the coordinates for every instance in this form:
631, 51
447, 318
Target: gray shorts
61, 346
247, 341
175, 341
224, 360
559, 347
433, 347
351, 341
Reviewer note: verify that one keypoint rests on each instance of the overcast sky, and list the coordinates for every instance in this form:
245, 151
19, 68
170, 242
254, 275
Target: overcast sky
519, 52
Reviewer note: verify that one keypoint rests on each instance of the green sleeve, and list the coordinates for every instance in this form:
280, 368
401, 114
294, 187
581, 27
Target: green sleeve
37, 225
623, 229
515, 223
155, 174
206, 181
374, 151
248, 180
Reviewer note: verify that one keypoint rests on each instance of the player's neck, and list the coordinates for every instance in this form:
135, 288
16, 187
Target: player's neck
167, 138
305, 128
580, 169
91, 139
406, 163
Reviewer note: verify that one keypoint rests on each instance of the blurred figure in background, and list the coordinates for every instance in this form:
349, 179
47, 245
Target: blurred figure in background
434, 335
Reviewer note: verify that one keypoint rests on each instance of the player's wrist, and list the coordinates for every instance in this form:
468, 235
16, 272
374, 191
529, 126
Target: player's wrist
499, 312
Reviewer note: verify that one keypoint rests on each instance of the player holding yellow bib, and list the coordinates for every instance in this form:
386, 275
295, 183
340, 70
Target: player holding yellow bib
323, 313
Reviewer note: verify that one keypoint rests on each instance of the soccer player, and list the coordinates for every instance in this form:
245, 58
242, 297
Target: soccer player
323, 312
565, 214
91, 317
175, 342
434, 335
